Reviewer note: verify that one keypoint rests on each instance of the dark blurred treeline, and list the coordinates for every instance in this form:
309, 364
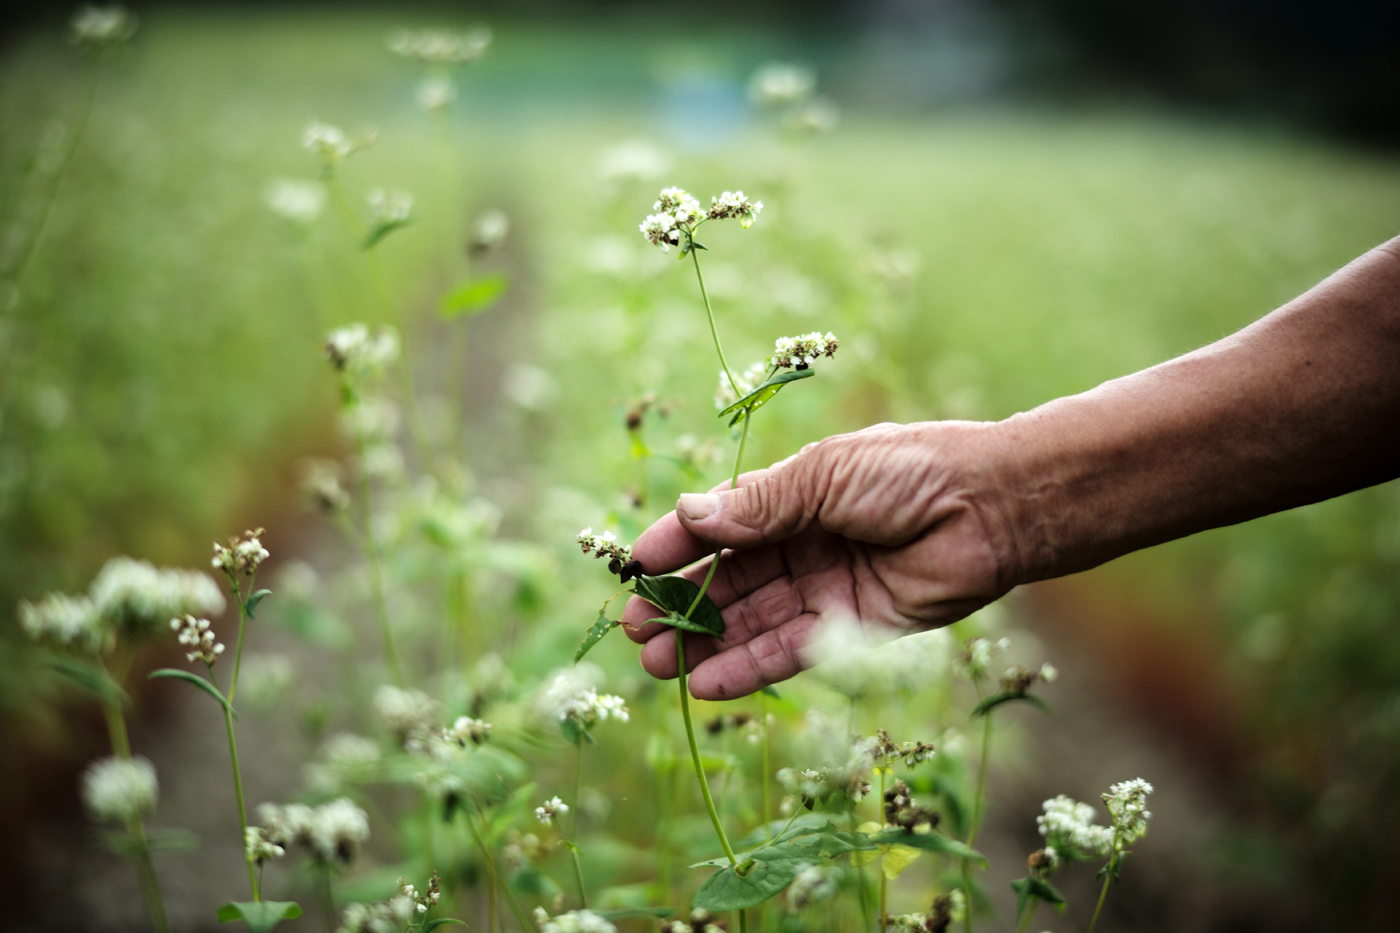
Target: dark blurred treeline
1329, 65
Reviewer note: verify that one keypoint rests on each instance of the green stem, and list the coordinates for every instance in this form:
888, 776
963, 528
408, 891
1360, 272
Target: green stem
150, 886
695, 751
733, 483
242, 624
714, 332
578, 783
767, 793
242, 808
323, 891
494, 873
884, 880
376, 574
1029, 911
976, 816
573, 851
1103, 893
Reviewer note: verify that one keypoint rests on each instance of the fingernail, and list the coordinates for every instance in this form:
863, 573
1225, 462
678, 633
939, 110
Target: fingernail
698, 505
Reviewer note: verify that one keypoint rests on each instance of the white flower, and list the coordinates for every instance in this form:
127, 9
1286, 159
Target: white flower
604, 545
489, 228
440, 47
777, 83
551, 808
196, 635
64, 622
117, 790
405, 711
242, 555
139, 599
357, 349
589, 707
466, 729
389, 208
575, 921
257, 846
389, 916
801, 352
1127, 805
1069, 827
977, 655
328, 142
734, 204
333, 831
436, 93
299, 201
102, 25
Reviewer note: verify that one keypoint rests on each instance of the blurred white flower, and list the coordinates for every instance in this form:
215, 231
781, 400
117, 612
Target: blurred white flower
63, 622
779, 83
117, 790
439, 46
197, 635
99, 26
296, 200
551, 808
435, 94
139, 599
333, 832
358, 350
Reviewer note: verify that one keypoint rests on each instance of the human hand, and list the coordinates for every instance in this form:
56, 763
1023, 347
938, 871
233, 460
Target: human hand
897, 526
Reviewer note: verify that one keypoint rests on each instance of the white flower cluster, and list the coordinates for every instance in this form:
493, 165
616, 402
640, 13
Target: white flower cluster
98, 26
299, 201
195, 634
551, 808
1127, 805
575, 921
358, 349
603, 545
63, 622
117, 790
1019, 679
422, 900
813, 883
801, 352
733, 204
257, 846
748, 380
405, 712
466, 729
440, 47
328, 142
973, 662
389, 208
912, 753
589, 707
781, 83
489, 229
436, 93
389, 916
241, 555
333, 831
1068, 826
138, 598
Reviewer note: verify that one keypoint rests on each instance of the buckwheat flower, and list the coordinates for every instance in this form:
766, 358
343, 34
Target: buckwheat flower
1127, 805
813, 883
258, 848
422, 900
405, 711
328, 142
389, 916
660, 230
358, 350
466, 729
1068, 826
118, 790
576, 921
779, 83
333, 832
1018, 679
241, 556
139, 599
321, 482
976, 656
437, 93
102, 26
389, 207
551, 808
734, 204
605, 546
489, 229
589, 707
440, 47
801, 352
196, 635
63, 621
748, 380
299, 201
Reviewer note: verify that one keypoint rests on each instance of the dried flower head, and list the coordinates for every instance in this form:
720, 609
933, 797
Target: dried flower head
241, 556
139, 599
63, 621
99, 27
439, 46
605, 545
733, 204
196, 635
801, 352
118, 790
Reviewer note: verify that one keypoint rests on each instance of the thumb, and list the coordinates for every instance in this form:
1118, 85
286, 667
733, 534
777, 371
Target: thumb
772, 508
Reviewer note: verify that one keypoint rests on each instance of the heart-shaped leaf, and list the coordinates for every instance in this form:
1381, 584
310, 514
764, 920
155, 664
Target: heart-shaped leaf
675, 595
769, 869
760, 396
252, 604
595, 634
261, 916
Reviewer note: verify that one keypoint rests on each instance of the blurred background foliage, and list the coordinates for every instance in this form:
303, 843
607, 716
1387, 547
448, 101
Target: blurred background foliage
1014, 205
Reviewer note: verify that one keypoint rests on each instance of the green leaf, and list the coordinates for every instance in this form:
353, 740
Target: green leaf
1008, 696
674, 595
252, 604
198, 681
760, 396
934, 842
383, 230
261, 916
434, 924
1028, 888
595, 634
624, 913
473, 297
88, 678
767, 870
772, 691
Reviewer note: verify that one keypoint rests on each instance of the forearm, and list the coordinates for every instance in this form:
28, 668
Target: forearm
1302, 405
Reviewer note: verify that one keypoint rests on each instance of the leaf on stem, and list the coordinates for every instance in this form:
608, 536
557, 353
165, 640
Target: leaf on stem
769, 869
595, 634
252, 604
1008, 696
473, 297
381, 231
624, 913
198, 681
261, 916
434, 924
674, 595
88, 678
760, 396
1027, 888
933, 842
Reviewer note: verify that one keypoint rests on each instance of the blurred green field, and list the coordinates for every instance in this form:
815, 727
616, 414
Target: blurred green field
162, 370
